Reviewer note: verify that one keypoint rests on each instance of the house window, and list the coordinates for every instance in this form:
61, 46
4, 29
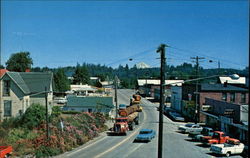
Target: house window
243, 97
7, 108
224, 96
6, 88
232, 97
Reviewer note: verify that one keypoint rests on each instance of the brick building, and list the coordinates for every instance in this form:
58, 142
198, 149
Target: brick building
222, 92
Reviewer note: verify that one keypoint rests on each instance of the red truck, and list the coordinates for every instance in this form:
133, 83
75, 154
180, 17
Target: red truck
123, 124
217, 138
5, 151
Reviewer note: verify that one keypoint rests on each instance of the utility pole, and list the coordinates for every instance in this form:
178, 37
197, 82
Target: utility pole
218, 67
116, 102
161, 50
197, 107
47, 115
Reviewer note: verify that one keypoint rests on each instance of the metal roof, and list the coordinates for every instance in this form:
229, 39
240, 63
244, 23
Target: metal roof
31, 82
241, 80
142, 82
221, 87
83, 101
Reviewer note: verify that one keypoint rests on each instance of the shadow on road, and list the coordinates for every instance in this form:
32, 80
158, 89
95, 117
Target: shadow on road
215, 155
153, 100
203, 145
136, 141
191, 140
180, 132
115, 134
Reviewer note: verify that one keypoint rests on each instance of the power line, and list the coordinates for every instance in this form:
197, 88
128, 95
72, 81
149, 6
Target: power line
195, 52
132, 56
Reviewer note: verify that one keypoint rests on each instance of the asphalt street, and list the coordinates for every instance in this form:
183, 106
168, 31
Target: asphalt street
175, 144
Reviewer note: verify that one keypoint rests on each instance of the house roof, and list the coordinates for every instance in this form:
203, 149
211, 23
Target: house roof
142, 82
221, 87
31, 82
240, 80
82, 101
106, 83
2, 72
82, 88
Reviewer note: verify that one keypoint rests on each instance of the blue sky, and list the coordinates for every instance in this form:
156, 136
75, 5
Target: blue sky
62, 33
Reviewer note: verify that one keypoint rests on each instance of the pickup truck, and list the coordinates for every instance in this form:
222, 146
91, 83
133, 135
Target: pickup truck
206, 131
190, 127
217, 138
5, 151
232, 146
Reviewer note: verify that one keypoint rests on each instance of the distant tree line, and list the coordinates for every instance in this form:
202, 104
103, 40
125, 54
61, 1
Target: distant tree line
81, 73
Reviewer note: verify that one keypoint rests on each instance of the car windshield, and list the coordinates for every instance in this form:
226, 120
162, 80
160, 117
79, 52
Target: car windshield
122, 105
145, 132
189, 125
177, 114
121, 120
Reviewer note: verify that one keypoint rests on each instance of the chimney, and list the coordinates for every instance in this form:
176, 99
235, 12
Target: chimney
225, 84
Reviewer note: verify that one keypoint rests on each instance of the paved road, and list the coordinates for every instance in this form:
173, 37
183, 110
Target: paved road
176, 145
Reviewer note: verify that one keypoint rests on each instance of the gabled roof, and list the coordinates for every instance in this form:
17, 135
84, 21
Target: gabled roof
221, 87
31, 82
83, 101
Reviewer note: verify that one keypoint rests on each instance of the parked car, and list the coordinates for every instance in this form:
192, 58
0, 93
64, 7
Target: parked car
61, 100
196, 135
145, 135
167, 110
190, 127
232, 146
218, 137
176, 116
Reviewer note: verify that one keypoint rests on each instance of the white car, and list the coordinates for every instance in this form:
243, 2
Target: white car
190, 127
233, 146
60, 100
206, 131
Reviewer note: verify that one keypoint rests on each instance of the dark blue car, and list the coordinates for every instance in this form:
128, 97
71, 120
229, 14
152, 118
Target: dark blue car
145, 135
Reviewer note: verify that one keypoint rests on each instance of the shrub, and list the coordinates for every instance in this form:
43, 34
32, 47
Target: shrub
10, 122
71, 112
56, 111
33, 116
45, 151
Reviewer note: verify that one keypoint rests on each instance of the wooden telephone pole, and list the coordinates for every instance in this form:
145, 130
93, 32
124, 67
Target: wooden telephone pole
161, 50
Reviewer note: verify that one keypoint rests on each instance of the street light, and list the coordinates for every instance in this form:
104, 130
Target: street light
211, 61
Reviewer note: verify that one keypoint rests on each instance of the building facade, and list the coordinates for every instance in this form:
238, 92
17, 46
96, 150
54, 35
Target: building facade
19, 90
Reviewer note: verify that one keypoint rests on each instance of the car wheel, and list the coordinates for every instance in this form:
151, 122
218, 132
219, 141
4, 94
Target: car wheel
227, 154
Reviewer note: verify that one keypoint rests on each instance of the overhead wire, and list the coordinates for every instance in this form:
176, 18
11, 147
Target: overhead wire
132, 56
198, 53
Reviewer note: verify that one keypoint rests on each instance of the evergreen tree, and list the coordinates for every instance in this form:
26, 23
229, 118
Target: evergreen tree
81, 75
61, 81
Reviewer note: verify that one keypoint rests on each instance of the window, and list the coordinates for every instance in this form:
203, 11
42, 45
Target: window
6, 88
224, 96
232, 97
243, 98
7, 108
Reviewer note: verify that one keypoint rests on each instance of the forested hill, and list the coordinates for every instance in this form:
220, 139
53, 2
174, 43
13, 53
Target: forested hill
128, 75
